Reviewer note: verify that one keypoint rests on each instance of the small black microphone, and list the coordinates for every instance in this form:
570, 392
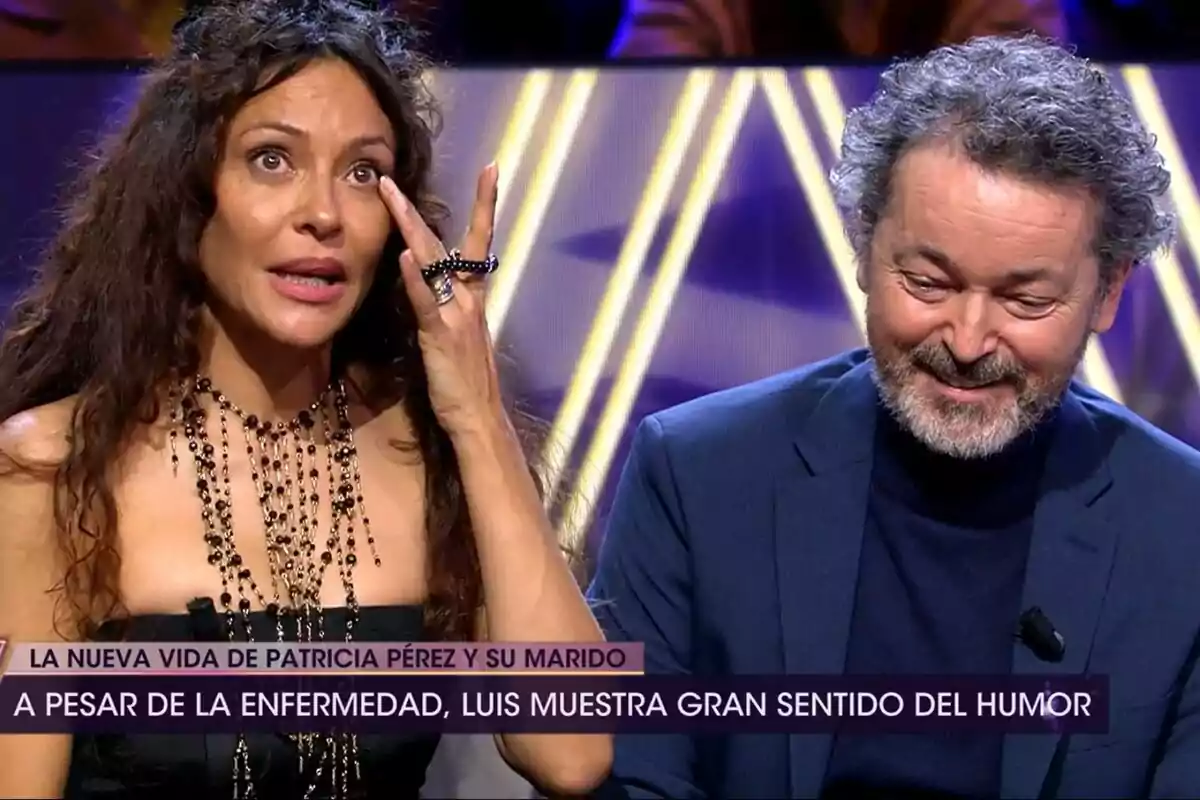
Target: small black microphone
1036, 631
205, 622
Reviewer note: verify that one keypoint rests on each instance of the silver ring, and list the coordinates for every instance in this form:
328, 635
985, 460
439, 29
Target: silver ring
442, 286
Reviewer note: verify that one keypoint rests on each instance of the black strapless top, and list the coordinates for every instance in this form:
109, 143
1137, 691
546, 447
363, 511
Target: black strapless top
119, 766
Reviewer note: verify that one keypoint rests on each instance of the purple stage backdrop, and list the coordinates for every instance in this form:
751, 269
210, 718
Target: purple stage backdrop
663, 233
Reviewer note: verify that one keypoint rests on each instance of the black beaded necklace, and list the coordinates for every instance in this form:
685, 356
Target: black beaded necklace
285, 467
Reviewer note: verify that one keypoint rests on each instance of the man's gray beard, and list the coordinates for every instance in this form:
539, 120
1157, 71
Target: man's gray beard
962, 430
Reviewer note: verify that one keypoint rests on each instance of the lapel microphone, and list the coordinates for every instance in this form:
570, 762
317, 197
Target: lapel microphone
1037, 632
204, 620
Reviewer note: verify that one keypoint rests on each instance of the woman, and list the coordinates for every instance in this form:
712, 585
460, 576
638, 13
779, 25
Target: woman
232, 336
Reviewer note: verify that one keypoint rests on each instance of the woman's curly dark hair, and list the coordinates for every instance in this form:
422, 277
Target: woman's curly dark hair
113, 311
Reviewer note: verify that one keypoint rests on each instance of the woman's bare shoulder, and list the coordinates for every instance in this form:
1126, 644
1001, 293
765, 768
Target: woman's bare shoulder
37, 437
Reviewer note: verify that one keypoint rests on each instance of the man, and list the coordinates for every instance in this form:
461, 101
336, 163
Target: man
895, 510
822, 29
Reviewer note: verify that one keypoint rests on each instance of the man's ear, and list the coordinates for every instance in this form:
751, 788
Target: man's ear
1110, 302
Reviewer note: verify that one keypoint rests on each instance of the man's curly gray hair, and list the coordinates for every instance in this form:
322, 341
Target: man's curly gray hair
1021, 105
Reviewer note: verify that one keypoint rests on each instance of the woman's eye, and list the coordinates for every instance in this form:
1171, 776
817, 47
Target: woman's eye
269, 160
365, 173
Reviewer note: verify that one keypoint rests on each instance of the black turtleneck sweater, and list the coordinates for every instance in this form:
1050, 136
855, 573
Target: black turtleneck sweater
939, 593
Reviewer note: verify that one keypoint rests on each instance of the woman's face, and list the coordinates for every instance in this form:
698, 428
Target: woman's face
299, 225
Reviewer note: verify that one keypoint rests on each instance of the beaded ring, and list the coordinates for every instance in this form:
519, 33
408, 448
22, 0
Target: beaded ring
454, 262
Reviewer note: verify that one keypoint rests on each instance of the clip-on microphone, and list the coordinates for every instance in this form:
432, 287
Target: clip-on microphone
1037, 632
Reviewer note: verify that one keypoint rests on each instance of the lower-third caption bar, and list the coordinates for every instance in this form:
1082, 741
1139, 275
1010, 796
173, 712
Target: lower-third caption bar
500, 704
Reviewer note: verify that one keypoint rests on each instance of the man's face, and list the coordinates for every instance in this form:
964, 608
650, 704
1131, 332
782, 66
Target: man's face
982, 292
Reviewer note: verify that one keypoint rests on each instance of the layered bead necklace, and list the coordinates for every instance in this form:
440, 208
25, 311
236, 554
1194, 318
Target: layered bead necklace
285, 466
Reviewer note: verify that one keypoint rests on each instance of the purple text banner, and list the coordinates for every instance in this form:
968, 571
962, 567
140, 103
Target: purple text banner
497, 704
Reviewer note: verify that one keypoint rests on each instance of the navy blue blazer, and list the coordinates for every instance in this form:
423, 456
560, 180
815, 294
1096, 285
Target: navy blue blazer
733, 548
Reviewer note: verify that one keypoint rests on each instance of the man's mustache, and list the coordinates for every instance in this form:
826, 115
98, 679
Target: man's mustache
941, 364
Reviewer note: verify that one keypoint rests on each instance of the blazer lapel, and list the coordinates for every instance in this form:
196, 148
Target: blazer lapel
820, 511
1070, 561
